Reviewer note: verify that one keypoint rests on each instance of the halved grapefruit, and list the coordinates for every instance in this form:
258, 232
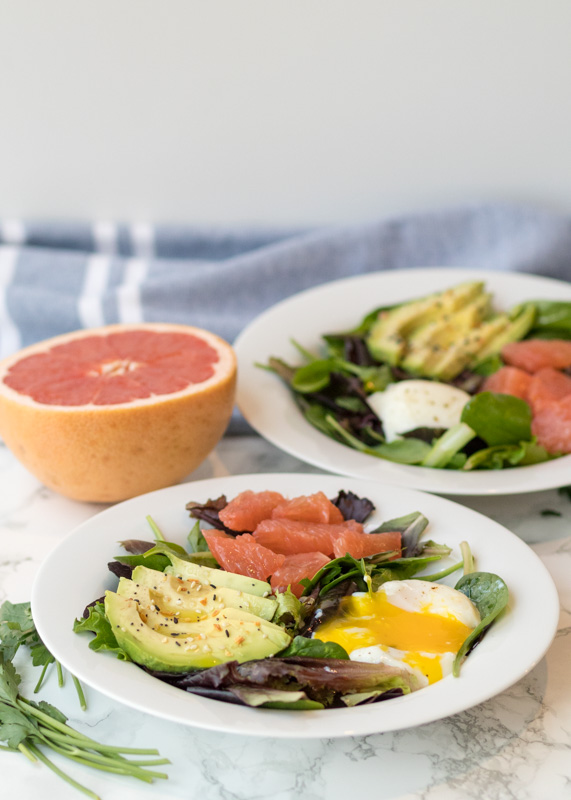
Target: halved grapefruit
109, 413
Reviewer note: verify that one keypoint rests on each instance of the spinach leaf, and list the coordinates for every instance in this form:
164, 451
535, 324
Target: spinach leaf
313, 648
553, 315
498, 418
314, 376
490, 595
488, 366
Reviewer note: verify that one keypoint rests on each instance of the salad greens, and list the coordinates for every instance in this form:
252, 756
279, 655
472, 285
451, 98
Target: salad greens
309, 673
30, 728
490, 595
331, 389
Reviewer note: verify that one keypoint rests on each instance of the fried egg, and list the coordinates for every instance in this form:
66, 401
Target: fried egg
415, 624
407, 405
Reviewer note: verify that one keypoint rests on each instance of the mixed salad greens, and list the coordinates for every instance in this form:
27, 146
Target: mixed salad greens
441, 339
303, 672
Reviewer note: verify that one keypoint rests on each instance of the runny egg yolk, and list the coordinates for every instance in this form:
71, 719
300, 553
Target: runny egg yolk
423, 634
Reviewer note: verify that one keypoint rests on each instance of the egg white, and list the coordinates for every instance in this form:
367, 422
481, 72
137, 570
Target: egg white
407, 405
426, 617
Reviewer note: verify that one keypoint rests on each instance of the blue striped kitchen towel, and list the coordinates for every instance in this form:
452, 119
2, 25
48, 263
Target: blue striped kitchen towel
58, 276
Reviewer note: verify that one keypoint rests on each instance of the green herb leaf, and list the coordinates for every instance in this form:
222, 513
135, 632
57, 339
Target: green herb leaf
313, 648
490, 595
498, 419
98, 624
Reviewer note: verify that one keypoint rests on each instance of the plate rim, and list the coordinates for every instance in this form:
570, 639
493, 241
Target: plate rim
337, 458
272, 723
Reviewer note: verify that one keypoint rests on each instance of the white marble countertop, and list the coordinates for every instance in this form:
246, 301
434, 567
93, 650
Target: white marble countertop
516, 745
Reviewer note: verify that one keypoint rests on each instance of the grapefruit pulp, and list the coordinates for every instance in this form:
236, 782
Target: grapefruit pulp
108, 413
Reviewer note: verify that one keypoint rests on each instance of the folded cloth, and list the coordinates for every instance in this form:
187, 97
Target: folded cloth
57, 277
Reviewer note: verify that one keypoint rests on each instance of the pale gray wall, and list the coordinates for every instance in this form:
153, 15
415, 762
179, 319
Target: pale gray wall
285, 111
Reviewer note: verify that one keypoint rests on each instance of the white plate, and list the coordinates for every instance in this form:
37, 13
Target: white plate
76, 573
268, 406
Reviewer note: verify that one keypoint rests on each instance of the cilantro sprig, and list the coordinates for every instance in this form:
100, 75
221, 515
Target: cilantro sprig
30, 728
16, 629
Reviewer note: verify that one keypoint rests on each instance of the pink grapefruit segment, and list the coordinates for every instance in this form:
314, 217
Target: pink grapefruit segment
243, 555
290, 536
309, 508
548, 385
245, 511
508, 380
535, 354
109, 413
294, 569
361, 545
552, 426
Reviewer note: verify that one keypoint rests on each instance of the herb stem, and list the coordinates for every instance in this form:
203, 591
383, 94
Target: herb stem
80, 694
26, 751
41, 680
115, 764
155, 529
60, 680
443, 573
67, 778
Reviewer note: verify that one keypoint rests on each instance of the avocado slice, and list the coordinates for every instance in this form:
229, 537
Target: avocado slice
517, 328
190, 600
462, 354
215, 578
387, 339
229, 635
426, 345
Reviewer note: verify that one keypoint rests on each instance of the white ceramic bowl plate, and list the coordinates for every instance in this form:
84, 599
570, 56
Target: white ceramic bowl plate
268, 406
512, 647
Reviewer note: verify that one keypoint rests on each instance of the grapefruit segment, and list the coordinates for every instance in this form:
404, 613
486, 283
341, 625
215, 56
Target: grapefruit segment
546, 386
245, 511
294, 569
360, 545
309, 508
243, 555
105, 414
290, 536
552, 426
508, 380
535, 354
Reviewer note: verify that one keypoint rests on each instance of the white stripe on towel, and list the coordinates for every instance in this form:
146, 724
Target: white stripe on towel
10, 340
12, 231
105, 235
90, 303
143, 239
129, 293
